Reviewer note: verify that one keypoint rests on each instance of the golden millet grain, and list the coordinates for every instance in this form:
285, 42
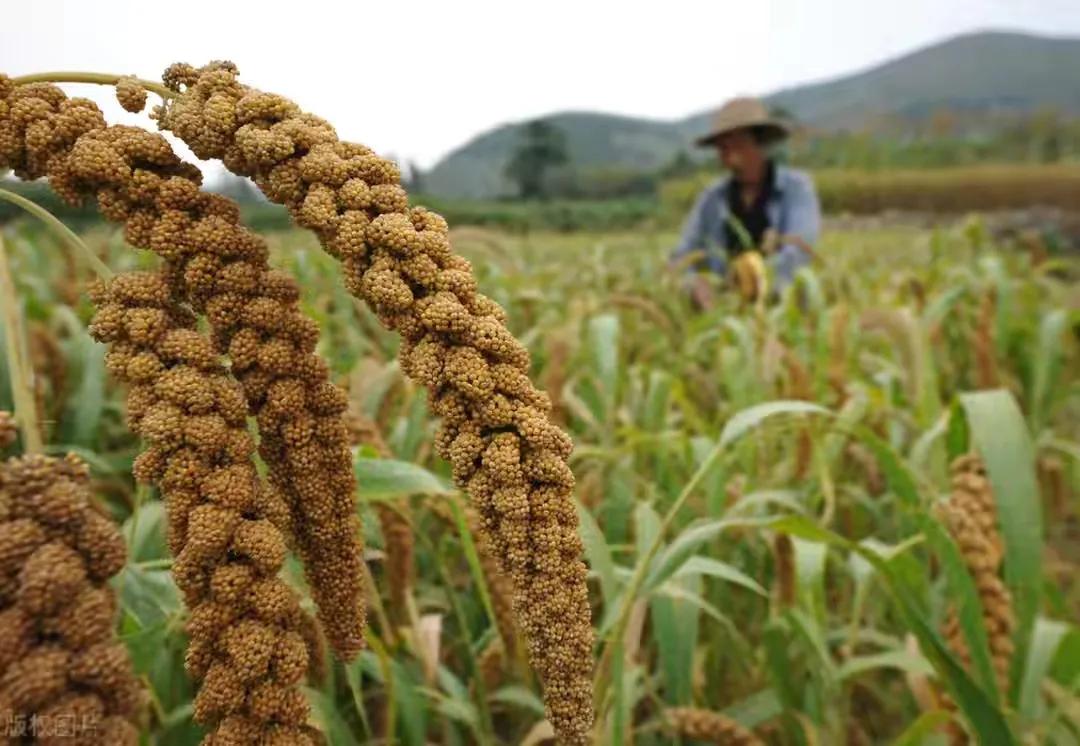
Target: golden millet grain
495, 427
131, 94
219, 268
58, 650
970, 515
228, 550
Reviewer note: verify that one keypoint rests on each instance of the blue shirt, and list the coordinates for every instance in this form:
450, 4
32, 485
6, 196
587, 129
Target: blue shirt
792, 208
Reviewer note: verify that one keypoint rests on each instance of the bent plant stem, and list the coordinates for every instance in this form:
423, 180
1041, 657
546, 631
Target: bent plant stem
486, 720
638, 578
62, 231
69, 76
21, 388
383, 656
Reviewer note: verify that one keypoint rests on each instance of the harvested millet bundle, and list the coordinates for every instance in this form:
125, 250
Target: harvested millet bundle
495, 426
221, 269
226, 527
970, 515
61, 665
705, 725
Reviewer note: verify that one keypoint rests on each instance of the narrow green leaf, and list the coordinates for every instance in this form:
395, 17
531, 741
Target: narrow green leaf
717, 569
958, 436
675, 632
683, 546
468, 545
756, 709
82, 413
597, 552
603, 336
965, 596
325, 714
1045, 643
747, 419
901, 660
986, 719
925, 727
646, 527
382, 479
898, 475
810, 573
1001, 436
519, 696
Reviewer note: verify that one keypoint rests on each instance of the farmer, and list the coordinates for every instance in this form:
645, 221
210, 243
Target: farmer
760, 208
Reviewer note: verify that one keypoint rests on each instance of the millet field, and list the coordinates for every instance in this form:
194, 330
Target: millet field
377, 479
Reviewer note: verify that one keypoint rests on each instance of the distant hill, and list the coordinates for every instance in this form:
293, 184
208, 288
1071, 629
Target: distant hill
982, 72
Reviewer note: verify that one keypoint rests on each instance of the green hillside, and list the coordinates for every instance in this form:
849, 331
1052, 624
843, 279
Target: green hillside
593, 139
984, 72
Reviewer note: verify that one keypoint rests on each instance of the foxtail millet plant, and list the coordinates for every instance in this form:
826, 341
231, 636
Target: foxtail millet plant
709, 727
61, 666
786, 583
970, 515
220, 269
495, 427
226, 527
982, 342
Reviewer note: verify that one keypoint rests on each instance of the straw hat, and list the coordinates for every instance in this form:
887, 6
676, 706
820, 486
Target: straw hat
741, 113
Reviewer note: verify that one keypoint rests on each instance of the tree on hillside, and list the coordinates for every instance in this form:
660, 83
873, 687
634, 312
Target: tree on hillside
681, 164
541, 147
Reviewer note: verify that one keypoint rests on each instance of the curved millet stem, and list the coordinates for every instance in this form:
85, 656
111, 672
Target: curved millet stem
61, 230
21, 387
95, 78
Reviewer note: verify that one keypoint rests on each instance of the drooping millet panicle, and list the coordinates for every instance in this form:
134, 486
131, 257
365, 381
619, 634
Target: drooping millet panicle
799, 386
492, 664
219, 268
398, 540
60, 660
862, 458
982, 343
973, 496
9, 431
1054, 484
970, 515
839, 323
784, 572
226, 528
706, 725
495, 427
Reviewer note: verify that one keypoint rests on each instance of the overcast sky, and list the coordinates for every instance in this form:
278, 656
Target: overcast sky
417, 79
